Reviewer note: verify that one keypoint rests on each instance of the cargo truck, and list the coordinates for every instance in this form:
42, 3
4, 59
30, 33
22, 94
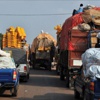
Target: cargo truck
42, 51
75, 38
14, 40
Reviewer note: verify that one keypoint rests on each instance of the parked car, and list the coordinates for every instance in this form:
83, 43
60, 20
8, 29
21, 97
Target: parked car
9, 75
86, 88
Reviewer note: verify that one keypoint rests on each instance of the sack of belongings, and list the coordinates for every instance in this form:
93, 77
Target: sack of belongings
91, 63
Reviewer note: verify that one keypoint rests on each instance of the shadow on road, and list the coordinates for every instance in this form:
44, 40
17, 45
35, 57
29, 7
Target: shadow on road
41, 71
44, 80
49, 96
54, 96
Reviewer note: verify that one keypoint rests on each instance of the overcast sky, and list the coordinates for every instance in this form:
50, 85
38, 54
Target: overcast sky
37, 15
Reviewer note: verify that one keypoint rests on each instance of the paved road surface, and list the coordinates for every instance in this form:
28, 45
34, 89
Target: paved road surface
42, 85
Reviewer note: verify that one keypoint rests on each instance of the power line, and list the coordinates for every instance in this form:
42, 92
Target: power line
35, 14
47, 0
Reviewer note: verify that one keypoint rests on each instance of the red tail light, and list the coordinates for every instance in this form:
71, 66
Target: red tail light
25, 68
92, 86
14, 75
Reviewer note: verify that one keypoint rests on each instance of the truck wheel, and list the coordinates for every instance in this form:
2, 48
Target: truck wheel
61, 74
57, 69
49, 65
33, 66
14, 91
67, 79
76, 94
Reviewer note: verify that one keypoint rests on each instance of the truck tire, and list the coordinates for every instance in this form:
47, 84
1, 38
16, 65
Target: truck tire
61, 74
76, 94
14, 91
67, 79
49, 67
58, 69
33, 65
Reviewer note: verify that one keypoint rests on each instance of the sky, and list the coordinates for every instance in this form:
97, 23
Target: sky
37, 15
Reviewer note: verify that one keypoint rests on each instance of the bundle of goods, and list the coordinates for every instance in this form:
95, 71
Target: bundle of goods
14, 37
91, 63
43, 41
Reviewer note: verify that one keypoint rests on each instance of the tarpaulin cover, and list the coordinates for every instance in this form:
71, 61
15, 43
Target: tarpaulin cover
90, 15
91, 63
71, 22
42, 42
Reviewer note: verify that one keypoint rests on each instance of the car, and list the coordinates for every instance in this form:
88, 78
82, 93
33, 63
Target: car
24, 71
86, 88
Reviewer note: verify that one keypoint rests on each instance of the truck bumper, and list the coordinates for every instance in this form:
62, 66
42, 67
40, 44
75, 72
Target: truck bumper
23, 75
7, 85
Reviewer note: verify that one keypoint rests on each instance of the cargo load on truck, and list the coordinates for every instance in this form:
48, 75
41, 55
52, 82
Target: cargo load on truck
42, 49
79, 32
14, 37
91, 63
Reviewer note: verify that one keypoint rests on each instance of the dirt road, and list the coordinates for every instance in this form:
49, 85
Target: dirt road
42, 85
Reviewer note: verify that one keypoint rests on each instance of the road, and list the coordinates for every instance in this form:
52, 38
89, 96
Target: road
42, 85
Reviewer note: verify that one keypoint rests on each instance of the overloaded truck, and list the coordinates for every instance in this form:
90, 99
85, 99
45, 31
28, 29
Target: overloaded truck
42, 50
14, 41
77, 35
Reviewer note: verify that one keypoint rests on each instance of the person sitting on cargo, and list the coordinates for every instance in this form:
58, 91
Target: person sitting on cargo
80, 8
78, 11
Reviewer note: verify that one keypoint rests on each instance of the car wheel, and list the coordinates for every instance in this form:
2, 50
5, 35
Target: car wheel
26, 78
76, 94
14, 91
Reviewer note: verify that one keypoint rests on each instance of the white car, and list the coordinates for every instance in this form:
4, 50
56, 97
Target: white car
24, 71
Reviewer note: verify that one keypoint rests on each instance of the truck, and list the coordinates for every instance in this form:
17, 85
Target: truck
77, 35
42, 50
14, 41
20, 58
9, 75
